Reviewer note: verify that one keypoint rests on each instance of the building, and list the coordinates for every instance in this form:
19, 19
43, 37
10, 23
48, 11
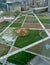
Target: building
48, 5
37, 3
2, 4
13, 5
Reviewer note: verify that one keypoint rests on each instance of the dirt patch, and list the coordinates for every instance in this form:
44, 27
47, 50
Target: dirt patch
47, 26
49, 31
1, 30
32, 25
3, 49
20, 21
14, 49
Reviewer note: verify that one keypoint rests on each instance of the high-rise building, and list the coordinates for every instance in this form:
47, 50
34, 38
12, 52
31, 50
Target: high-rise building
46, 2
2, 1
13, 5
48, 5
2, 4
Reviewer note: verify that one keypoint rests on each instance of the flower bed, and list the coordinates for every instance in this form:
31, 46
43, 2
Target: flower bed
23, 32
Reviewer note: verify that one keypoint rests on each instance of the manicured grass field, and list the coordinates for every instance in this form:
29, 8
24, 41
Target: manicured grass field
18, 25
45, 21
34, 35
0, 63
4, 25
21, 58
40, 15
22, 18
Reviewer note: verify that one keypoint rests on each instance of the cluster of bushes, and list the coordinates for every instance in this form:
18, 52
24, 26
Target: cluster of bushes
16, 13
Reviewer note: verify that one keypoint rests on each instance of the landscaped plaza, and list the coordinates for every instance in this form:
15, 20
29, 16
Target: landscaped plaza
23, 37
45, 19
23, 32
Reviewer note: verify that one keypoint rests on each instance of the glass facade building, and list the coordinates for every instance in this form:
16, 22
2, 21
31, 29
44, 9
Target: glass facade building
2, 4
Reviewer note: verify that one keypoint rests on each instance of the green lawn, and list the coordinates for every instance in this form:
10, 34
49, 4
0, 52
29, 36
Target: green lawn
0, 63
16, 25
4, 25
22, 18
21, 58
40, 15
34, 35
43, 34
45, 21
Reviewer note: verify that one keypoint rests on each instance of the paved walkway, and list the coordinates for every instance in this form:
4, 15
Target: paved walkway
15, 39
28, 45
42, 25
9, 25
38, 61
8, 63
49, 31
